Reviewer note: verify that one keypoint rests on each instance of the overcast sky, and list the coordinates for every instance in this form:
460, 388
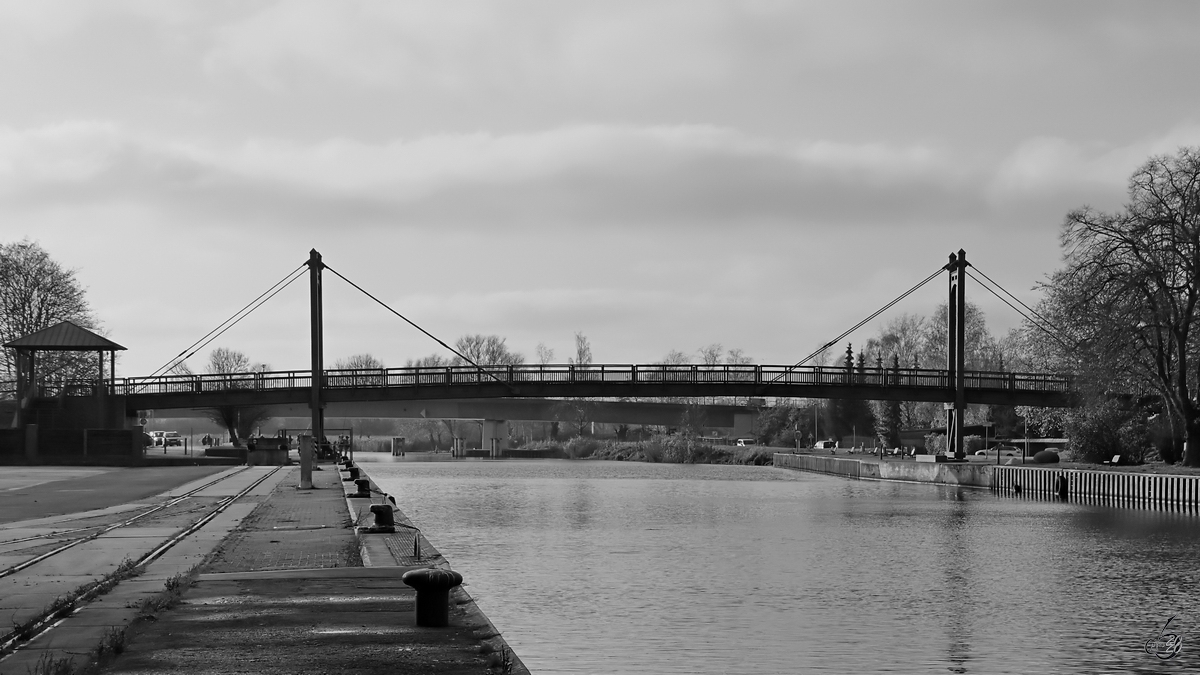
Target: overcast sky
657, 175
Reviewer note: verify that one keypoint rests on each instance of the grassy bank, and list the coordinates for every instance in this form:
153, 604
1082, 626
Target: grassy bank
668, 449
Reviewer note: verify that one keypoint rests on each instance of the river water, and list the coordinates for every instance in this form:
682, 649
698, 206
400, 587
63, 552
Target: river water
618, 567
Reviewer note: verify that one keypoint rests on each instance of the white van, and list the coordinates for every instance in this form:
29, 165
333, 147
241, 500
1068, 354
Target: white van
743, 442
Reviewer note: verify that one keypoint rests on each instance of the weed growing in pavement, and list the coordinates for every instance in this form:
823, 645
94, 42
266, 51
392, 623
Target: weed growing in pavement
63, 605
171, 594
48, 665
352, 555
112, 643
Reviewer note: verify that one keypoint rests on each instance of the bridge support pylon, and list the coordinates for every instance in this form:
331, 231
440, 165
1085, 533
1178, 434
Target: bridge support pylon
317, 321
495, 437
956, 353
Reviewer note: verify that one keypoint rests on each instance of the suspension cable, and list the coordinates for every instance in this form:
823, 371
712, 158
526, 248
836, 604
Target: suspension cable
232, 321
427, 333
1032, 311
1032, 322
860, 324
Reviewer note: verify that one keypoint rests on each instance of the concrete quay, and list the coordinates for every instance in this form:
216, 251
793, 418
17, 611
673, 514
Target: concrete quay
288, 582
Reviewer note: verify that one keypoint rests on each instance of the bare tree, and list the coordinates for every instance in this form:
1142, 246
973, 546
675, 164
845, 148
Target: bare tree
544, 354
431, 361
36, 293
737, 357
711, 355
224, 361
239, 420
675, 358
486, 350
583, 350
982, 350
358, 362
375, 377
1131, 288
902, 343
904, 338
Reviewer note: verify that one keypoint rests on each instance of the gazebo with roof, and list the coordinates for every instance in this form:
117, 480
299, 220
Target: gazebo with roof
64, 336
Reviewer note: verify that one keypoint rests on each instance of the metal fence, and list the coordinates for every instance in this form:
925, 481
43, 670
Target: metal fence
597, 373
1114, 488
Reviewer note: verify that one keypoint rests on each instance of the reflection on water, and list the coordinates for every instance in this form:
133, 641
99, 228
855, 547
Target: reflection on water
612, 567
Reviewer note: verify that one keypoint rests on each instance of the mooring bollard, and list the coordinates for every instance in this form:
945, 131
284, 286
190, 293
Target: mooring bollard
364, 487
433, 595
353, 473
385, 521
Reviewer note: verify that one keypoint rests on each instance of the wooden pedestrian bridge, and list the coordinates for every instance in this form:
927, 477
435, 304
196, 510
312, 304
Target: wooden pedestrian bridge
585, 381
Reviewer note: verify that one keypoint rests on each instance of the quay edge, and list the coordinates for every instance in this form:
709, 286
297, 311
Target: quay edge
1113, 488
375, 552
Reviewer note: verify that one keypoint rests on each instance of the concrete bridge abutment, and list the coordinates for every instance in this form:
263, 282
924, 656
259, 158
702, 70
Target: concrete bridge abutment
495, 437
743, 425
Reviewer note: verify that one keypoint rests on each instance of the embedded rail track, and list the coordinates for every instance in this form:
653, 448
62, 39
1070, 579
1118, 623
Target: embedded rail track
28, 629
95, 531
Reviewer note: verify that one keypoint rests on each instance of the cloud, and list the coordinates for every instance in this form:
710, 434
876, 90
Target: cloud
1048, 165
463, 48
578, 174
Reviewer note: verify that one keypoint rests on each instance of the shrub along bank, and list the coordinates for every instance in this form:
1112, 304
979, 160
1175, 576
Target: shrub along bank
665, 449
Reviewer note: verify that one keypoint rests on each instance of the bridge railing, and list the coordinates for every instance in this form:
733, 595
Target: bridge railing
599, 373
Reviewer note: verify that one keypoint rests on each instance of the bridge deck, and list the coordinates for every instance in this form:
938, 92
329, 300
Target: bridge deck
597, 380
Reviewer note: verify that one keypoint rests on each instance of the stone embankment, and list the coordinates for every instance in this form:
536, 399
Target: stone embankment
1116, 488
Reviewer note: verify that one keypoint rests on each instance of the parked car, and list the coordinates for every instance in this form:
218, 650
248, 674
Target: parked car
743, 442
172, 438
825, 445
156, 437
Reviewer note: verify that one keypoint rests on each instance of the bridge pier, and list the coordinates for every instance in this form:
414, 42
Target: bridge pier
743, 425
495, 437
